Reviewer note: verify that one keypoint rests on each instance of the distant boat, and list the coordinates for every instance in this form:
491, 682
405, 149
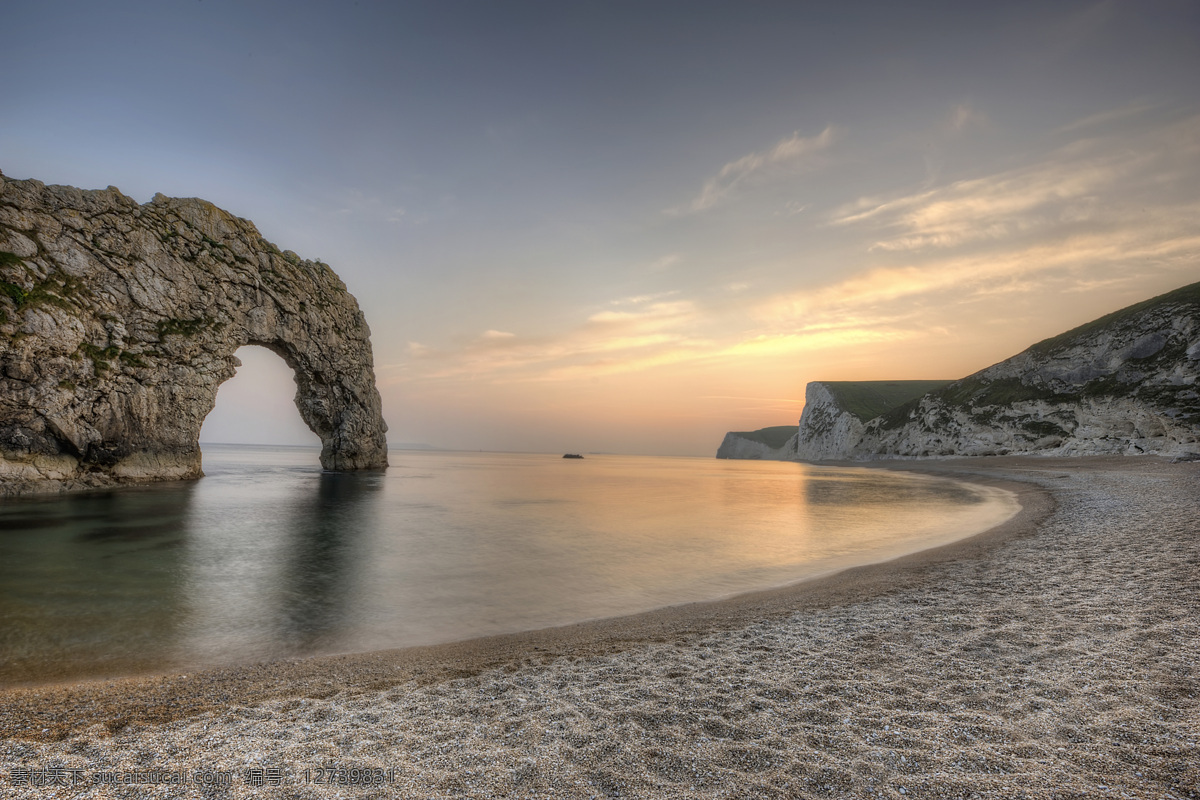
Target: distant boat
572, 455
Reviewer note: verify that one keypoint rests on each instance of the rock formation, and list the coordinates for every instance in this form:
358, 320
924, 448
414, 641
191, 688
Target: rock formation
767, 444
836, 413
1126, 383
827, 429
119, 321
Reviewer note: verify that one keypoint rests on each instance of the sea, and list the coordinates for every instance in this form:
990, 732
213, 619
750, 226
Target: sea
271, 557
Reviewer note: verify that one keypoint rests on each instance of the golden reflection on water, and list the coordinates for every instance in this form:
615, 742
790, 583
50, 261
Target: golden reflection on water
270, 557
525, 542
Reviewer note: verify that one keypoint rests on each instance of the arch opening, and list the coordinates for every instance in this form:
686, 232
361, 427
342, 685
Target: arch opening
257, 405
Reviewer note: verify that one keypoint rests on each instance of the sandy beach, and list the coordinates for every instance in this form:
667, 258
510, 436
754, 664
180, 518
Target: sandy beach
1054, 656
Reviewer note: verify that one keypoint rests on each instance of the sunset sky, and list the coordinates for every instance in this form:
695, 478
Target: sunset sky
634, 226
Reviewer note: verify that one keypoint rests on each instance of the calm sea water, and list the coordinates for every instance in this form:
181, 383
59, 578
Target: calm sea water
269, 556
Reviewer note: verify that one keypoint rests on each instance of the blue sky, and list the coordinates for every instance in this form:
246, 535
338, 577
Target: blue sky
633, 226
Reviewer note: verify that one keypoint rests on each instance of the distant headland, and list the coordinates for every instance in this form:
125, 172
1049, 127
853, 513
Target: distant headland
1124, 384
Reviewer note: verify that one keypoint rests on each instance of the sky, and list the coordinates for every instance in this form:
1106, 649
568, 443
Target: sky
633, 226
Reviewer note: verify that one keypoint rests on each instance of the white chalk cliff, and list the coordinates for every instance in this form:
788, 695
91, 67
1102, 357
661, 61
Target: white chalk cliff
828, 430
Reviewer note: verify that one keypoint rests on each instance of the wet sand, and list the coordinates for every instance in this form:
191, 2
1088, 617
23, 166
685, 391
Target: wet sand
1054, 656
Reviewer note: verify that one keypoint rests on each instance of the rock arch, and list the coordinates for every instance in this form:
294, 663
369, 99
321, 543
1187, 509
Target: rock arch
119, 321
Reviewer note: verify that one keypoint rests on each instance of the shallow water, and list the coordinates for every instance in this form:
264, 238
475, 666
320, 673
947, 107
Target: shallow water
269, 556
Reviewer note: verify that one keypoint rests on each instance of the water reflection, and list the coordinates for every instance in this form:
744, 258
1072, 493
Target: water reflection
89, 583
325, 563
859, 488
270, 557
276, 560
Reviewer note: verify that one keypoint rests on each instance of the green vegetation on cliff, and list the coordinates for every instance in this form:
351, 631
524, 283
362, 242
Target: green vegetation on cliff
1117, 357
869, 399
982, 393
1185, 296
774, 438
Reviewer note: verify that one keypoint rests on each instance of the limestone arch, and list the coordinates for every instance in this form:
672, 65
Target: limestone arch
122, 321
330, 359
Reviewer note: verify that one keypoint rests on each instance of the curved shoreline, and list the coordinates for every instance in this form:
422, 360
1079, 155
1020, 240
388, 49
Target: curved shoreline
1053, 656
53, 711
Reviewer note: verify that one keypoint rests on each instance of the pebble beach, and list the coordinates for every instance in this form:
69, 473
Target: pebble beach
1053, 657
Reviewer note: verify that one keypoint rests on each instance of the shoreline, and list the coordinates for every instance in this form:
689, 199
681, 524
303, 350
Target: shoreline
1052, 656
58, 708
998, 503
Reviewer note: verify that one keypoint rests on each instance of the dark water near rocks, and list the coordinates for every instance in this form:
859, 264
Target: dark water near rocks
269, 556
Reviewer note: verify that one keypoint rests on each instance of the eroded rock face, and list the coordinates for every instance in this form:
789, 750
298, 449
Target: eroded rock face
827, 430
119, 321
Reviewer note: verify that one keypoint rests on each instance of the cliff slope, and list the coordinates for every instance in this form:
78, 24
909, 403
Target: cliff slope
1123, 384
119, 321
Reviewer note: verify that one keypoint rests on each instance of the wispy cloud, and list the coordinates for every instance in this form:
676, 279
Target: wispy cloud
633, 333
357, 203
987, 208
652, 314
789, 400
665, 263
792, 208
1097, 215
1103, 118
1168, 245
1079, 183
791, 153
645, 334
963, 117
641, 299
